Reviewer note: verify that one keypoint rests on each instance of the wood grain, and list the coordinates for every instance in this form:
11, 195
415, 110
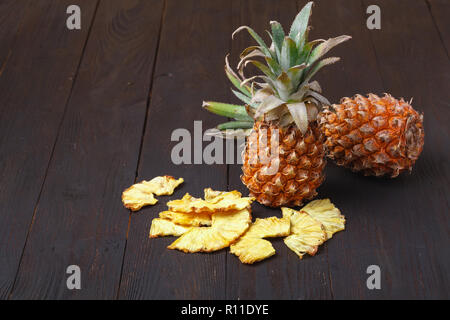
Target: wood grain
11, 14
35, 85
84, 114
80, 219
349, 252
194, 41
440, 10
414, 226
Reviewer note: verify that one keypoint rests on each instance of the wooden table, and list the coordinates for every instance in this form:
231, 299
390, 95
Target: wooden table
86, 113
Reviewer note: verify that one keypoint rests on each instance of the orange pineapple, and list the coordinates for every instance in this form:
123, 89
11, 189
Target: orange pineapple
301, 162
284, 156
375, 135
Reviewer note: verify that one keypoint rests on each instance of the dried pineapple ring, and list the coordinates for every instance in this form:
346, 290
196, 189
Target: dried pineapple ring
142, 194
163, 228
306, 233
137, 196
326, 213
163, 186
226, 202
269, 228
225, 229
187, 219
251, 248
287, 212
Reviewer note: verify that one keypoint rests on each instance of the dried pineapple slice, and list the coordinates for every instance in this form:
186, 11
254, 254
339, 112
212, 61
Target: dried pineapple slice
211, 194
162, 228
326, 213
163, 186
142, 194
225, 229
269, 228
137, 196
251, 248
187, 219
306, 233
287, 212
226, 202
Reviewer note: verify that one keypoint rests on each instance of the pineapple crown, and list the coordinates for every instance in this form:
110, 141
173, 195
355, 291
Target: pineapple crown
285, 94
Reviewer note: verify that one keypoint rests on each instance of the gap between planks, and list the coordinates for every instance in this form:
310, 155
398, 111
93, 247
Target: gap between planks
54, 144
429, 5
144, 128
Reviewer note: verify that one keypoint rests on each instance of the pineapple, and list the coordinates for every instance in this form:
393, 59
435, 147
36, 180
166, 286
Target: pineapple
374, 135
284, 156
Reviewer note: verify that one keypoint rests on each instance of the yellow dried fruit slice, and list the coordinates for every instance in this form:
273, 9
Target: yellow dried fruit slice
306, 233
187, 219
224, 230
269, 228
163, 186
211, 194
227, 202
287, 212
142, 194
163, 228
326, 213
137, 196
251, 248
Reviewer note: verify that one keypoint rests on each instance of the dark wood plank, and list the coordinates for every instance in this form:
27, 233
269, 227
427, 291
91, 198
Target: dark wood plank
391, 223
413, 226
80, 219
353, 250
195, 38
11, 13
34, 87
283, 276
440, 10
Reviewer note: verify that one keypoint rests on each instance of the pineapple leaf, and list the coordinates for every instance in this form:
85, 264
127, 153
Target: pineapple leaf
295, 73
319, 65
227, 110
284, 86
324, 47
300, 23
249, 50
318, 97
235, 125
243, 98
288, 54
274, 66
235, 79
299, 114
270, 103
257, 38
303, 40
277, 36
267, 80
315, 86
243, 62
262, 67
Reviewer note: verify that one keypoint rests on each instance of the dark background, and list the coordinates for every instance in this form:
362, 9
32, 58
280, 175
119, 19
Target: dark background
84, 114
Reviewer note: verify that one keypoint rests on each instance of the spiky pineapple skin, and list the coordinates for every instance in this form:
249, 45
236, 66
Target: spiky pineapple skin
373, 135
301, 161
